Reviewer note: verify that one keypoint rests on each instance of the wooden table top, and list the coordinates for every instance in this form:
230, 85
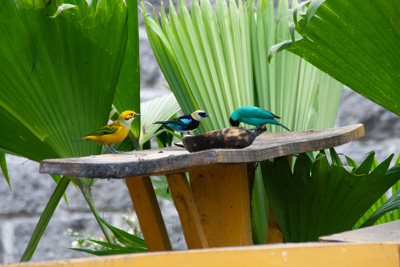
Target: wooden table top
175, 159
382, 233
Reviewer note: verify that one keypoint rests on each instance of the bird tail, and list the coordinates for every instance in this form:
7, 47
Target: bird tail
79, 139
160, 122
283, 126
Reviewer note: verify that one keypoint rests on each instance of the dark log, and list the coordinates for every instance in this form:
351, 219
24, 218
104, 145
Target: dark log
233, 137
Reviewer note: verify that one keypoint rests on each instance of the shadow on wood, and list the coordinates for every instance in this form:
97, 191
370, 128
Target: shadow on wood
233, 137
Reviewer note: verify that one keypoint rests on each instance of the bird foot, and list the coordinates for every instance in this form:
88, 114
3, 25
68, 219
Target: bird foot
248, 130
262, 128
112, 150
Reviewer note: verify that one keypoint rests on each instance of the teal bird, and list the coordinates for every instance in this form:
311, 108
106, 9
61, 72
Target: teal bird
186, 123
254, 116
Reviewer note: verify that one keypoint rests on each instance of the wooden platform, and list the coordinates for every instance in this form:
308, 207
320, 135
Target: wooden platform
175, 159
214, 205
283, 255
383, 233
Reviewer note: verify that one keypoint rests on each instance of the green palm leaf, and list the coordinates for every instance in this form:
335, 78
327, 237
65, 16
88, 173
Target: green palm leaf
3, 167
125, 238
56, 88
218, 61
202, 57
45, 218
384, 210
327, 200
355, 42
127, 94
392, 204
160, 108
60, 72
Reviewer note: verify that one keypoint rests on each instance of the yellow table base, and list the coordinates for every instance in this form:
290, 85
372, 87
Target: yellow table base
300, 255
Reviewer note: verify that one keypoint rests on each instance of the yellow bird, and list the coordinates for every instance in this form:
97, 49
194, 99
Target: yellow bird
112, 133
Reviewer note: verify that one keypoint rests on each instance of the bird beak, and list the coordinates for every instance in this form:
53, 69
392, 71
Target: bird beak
207, 115
136, 115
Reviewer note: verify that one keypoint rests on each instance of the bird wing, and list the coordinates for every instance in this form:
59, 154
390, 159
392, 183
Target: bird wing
254, 112
108, 129
185, 121
182, 120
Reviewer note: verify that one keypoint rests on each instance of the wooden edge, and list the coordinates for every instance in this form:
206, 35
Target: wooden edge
385, 232
303, 254
187, 210
149, 214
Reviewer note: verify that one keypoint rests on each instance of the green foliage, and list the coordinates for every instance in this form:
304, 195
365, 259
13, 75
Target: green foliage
217, 61
355, 42
391, 205
64, 65
127, 94
317, 198
56, 88
127, 243
158, 109
357, 48
161, 187
384, 210
260, 210
164, 139
45, 218
3, 166
222, 56
60, 65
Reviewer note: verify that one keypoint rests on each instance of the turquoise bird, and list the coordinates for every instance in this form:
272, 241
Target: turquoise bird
254, 116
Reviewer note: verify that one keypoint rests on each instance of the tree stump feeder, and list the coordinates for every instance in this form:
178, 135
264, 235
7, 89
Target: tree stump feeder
214, 208
233, 137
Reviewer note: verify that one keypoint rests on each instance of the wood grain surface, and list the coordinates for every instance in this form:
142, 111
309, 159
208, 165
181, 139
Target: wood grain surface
223, 202
149, 214
187, 210
382, 233
283, 255
176, 159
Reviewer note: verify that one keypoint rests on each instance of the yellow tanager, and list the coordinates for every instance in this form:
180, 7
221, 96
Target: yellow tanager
112, 133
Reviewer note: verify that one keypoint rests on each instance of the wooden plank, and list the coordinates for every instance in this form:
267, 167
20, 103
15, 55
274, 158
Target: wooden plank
274, 234
290, 255
187, 210
149, 214
387, 232
223, 201
161, 161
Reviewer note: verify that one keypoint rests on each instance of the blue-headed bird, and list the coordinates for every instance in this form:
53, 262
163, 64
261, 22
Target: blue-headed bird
186, 123
112, 133
254, 116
